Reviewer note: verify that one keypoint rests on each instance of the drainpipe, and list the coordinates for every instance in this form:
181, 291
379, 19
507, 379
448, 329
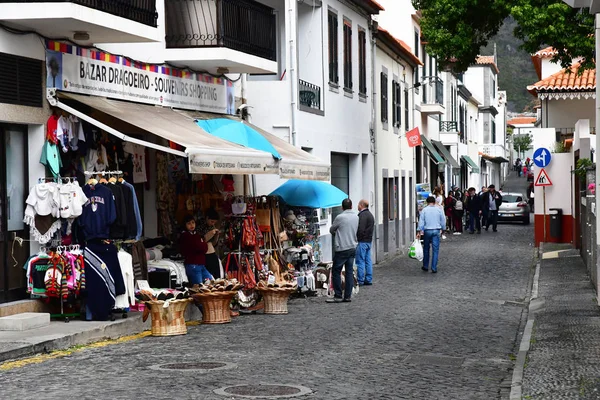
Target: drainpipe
373, 129
292, 14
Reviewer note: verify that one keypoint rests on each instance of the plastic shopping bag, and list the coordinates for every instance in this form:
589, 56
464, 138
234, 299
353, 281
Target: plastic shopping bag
416, 250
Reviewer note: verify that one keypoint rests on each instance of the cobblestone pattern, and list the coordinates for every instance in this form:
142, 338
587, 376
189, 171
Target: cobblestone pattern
564, 359
357, 350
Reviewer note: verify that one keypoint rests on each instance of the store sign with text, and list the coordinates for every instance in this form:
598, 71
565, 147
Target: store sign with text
78, 70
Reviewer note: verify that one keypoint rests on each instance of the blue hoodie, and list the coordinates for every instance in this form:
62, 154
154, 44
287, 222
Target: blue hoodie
98, 213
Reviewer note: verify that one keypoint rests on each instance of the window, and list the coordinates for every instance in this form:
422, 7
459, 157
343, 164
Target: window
392, 199
333, 48
493, 89
493, 132
347, 55
396, 104
21, 80
384, 97
362, 62
406, 112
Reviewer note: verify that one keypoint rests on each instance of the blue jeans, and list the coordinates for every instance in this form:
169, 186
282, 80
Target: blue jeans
493, 219
340, 259
364, 263
197, 274
474, 222
431, 237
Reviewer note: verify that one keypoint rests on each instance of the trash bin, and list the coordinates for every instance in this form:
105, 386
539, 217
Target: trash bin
555, 222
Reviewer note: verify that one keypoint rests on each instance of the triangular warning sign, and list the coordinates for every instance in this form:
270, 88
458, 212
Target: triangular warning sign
543, 179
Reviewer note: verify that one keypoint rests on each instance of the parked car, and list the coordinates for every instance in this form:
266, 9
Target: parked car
514, 207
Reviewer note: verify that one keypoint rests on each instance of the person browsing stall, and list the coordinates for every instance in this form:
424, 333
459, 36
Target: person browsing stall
431, 223
193, 247
209, 230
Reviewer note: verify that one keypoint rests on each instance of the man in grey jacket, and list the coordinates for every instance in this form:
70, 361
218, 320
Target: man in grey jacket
344, 229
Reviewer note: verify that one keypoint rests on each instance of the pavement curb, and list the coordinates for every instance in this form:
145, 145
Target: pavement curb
119, 328
517, 378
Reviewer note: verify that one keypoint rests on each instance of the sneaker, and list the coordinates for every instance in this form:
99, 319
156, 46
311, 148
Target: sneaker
456, 233
425, 269
334, 300
443, 236
368, 283
434, 271
346, 300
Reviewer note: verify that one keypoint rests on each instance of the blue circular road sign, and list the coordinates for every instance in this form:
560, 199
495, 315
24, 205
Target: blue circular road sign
542, 157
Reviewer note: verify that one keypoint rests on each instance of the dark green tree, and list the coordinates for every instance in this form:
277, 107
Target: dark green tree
522, 143
456, 30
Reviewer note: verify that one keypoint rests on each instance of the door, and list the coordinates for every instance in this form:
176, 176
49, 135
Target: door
340, 177
13, 193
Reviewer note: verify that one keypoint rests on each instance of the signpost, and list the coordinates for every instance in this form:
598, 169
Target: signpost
542, 157
543, 180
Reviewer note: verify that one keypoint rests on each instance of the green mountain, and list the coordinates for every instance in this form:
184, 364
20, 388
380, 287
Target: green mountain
516, 68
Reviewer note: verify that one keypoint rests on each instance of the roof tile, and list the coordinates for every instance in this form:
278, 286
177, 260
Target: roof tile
566, 81
487, 60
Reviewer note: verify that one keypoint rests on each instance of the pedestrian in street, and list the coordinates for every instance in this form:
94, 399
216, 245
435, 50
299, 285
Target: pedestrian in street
449, 212
193, 247
364, 235
457, 213
431, 223
491, 202
484, 211
344, 229
474, 209
439, 197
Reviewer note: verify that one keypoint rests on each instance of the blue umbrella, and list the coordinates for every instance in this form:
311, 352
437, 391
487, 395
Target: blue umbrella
239, 133
314, 194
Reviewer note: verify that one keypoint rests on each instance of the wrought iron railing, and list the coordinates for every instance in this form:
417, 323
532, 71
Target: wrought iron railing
243, 25
309, 94
142, 11
448, 126
433, 91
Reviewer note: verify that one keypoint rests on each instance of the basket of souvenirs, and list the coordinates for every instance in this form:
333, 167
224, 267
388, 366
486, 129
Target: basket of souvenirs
168, 317
276, 296
215, 297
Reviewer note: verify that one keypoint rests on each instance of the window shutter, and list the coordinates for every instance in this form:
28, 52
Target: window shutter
21, 80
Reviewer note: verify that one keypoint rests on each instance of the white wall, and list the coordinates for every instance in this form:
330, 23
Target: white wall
557, 195
473, 80
566, 113
549, 68
311, 29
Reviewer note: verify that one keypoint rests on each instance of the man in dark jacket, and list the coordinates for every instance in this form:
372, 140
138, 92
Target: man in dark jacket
364, 235
474, 208
491, 202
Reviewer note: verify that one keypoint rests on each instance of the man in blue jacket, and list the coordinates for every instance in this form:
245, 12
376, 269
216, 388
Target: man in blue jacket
431, 222
474, 208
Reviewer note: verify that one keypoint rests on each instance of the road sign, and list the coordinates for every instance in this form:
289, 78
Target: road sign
543, 179
542, 157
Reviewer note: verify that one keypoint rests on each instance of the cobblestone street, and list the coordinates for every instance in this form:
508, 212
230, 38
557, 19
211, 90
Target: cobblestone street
466, 318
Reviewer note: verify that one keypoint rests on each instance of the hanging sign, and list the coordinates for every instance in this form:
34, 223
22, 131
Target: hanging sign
413, 137
78, 70
543, 179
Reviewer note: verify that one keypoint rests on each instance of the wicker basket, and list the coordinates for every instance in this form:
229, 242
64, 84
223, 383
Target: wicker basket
168, 321
276, 299
215, 306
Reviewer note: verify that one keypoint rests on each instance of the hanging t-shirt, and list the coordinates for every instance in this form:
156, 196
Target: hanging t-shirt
51, 125
64, 133
77, 133
138, 153
51, 158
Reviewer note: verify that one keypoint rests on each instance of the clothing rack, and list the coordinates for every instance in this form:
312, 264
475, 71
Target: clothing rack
103, 173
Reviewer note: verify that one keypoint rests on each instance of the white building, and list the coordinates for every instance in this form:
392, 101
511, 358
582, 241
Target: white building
321, 101
394, 159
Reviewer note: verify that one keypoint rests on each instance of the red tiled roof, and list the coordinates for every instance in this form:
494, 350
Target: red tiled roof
521, 120
401, 46
487, 60
565, 81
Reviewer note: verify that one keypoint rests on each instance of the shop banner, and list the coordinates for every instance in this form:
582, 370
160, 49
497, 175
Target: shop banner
78, 70
202, 163
413, 137
288, 170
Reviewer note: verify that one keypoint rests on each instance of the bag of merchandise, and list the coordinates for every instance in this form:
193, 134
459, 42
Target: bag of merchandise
416, 250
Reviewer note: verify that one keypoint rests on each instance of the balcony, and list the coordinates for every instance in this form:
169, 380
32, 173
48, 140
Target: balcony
449, 132
433, 96
493, 150
96, 21
221, 36
309, 97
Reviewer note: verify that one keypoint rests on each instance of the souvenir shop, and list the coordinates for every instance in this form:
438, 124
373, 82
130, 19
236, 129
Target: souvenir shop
121, 179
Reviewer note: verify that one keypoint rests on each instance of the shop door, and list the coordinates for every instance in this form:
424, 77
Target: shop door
340, 177
13, 193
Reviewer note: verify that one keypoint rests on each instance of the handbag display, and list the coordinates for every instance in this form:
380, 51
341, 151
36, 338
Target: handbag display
238, 207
